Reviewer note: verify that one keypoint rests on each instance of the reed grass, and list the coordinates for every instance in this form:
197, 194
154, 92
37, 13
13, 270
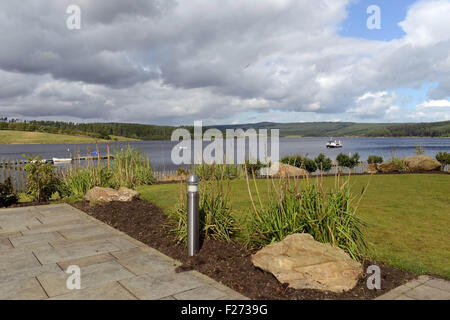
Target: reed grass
329, 215
215, 216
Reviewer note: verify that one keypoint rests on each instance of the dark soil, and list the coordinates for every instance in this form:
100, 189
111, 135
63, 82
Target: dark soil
228, 263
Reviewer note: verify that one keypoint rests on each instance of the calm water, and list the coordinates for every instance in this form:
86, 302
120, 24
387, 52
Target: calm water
160, 151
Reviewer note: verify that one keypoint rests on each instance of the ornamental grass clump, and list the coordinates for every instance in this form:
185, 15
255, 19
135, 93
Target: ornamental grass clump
131, 168
215, 216
329, 215
76, 182
217, 171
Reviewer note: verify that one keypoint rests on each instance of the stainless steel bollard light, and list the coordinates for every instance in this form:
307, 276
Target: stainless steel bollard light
192, 222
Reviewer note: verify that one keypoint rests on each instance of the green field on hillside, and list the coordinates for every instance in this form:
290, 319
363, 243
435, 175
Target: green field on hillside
25, 137
408, 216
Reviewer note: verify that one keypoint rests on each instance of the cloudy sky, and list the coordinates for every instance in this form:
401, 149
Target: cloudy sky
225, 61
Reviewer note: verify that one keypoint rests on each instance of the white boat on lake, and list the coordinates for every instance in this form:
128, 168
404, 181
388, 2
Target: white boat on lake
334, 144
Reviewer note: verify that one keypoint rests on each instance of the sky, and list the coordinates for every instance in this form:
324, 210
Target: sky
173, 62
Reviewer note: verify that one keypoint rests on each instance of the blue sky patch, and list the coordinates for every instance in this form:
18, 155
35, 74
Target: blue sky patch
392, 12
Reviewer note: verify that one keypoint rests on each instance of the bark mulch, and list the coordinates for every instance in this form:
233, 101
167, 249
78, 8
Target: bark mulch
226, 262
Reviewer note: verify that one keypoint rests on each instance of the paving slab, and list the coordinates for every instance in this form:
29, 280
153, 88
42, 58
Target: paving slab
34, 240
201, 293
439, 284
74, 252
37, 245
147, 263
29, 272
27, 289
152, 287
86, 261
422, 288
16, 260
425, 292
5, 244
110, 291
91, 276
84, 232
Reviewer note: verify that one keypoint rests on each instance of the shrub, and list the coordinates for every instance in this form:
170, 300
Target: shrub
215, 219
7, 194
42, 181
300, 161
329, 216
323, 163
344, 160
443, 158
374, 159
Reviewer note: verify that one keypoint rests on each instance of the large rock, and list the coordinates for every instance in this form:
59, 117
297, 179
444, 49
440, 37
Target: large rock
389, 167
98, 194
304, 263
422, 163
286, 170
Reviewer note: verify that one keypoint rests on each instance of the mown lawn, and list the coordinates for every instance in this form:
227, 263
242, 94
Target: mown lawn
408, 216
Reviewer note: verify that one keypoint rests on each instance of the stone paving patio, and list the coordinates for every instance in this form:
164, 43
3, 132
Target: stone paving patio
37, 244
422, 288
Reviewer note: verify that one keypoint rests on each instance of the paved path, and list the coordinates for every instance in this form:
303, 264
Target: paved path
423, 288
38, 244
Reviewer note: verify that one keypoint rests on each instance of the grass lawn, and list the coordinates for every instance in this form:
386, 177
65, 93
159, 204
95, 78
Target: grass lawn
25, 137
408, 216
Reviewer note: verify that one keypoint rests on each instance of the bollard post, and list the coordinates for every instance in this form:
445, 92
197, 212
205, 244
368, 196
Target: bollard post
193, 218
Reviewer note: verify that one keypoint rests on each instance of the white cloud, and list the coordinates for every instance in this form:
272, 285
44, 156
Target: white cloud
427, 22
435, 104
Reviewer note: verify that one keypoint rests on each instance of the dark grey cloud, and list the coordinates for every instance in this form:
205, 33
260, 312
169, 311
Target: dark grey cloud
175, 61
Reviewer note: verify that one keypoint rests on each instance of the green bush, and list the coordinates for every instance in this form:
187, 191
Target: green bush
344, 160
443, 158
323, 163
215, 219
7, 194
300, 161
42, 181
374, 159
329, 216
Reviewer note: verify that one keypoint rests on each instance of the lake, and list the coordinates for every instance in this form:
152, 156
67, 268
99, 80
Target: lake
160, 151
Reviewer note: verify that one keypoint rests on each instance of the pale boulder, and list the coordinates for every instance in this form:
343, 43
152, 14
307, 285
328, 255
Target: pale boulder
288, 171
422, 163
304, 263
98, 194
389, 167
